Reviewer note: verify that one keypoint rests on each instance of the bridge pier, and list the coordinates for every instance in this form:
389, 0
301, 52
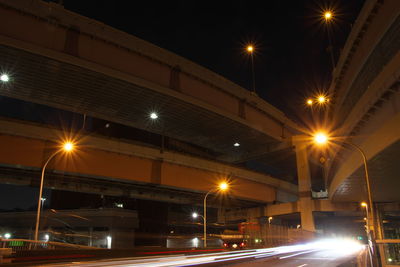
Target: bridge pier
304, 179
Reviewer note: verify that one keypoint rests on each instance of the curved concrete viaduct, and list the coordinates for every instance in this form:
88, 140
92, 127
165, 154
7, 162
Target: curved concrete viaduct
365, 110
365, 89
72, 63
27, 147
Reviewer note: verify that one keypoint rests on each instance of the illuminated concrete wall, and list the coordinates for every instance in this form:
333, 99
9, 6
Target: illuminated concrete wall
111, 159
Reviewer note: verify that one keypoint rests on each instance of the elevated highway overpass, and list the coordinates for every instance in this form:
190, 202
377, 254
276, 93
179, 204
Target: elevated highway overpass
67, 62
366, 111
72, 63
100, 164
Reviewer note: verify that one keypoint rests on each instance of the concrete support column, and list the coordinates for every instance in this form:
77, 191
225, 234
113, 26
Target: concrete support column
304, 180
221, 215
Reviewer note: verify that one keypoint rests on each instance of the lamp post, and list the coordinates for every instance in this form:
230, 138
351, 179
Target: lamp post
195, 215
250, 50
67, 147
321, 138
365, 205
328, 16
222, 187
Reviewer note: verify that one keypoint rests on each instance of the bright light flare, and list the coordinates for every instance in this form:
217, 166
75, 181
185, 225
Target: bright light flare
364, 204
339, 246
195, 215
223, 186
328, 15
250, 48
153, 116
4, 77
68, 146
322, 99
309, 102
321, 138
226, 257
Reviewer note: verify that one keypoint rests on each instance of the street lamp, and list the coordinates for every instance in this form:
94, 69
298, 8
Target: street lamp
195, 215
153, 116
328, 17
67, 147
221, 187
269, 220
321, 138
322, 99
4, 78
250, 50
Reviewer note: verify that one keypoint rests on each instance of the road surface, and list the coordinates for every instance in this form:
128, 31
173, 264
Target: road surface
321, 254
308, 259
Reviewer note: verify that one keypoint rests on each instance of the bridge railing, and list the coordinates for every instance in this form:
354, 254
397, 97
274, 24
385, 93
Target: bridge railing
390, 251
27, 244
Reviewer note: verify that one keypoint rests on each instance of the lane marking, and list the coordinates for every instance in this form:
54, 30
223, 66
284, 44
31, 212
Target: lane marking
302, 265
293, 255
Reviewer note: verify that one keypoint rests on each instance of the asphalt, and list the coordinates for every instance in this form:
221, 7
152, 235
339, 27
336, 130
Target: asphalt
307, 259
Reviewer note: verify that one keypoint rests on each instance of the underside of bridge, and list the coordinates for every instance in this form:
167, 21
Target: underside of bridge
101, 85
199, 113
384, 172
60, 181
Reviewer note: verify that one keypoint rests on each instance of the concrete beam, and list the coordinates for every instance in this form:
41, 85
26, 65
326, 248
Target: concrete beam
329, 206
23, 129
109, 187
271, 210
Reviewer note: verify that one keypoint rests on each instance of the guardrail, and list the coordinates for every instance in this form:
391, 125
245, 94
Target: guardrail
390, 251
27, 244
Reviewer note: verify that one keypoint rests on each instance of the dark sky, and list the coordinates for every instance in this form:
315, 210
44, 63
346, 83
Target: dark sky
291, 40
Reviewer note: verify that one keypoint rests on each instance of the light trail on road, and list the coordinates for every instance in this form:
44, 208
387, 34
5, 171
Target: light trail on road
336, 248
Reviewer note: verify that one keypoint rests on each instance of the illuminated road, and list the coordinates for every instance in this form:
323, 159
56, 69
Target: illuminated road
311, 259
313, 254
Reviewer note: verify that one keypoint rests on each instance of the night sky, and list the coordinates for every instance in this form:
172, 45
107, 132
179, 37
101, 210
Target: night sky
290, 38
